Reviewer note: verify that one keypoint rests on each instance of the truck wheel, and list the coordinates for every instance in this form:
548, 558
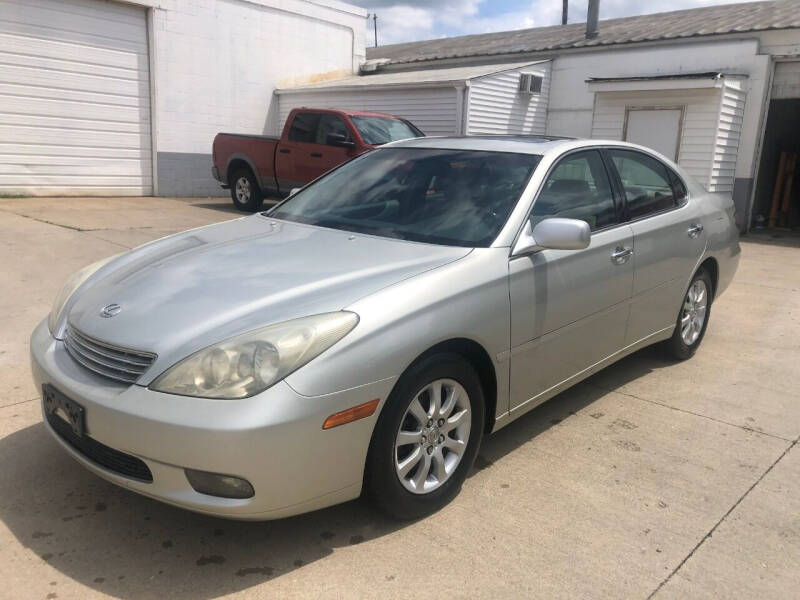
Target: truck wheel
245, 193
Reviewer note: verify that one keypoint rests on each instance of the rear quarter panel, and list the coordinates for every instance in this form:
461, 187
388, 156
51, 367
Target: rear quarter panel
258, 152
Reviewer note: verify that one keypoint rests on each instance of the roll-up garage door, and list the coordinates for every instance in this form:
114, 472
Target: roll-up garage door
74, 98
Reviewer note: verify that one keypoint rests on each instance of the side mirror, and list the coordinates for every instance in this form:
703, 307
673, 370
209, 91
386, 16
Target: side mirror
340, 140
554, 233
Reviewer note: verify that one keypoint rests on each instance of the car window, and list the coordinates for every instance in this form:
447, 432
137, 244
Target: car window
381, 130
330, 124
577, 188
677, 185
304, 127
645, 181
448, 197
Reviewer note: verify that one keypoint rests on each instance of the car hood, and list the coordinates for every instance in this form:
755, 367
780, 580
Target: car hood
185, 292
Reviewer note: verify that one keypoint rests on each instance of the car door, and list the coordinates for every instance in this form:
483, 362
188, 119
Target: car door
293, 158
569, 308
668, 237
324, 156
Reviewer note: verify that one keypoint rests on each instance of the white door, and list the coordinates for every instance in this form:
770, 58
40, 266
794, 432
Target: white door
74, 98
658, 129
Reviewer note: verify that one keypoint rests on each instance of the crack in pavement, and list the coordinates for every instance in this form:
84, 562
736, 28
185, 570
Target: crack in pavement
689, 412
18, 403
725, 516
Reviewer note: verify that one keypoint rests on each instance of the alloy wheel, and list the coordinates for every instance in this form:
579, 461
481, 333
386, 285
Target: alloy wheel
243, 190
433, 436
693, 314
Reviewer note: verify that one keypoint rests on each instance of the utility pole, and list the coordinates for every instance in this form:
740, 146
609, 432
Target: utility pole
375, 25
564, 11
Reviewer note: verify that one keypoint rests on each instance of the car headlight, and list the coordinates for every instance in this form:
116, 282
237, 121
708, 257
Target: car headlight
72, 284
251, 362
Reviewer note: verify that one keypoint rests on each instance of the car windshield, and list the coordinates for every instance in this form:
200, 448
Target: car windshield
380, 130
448, 197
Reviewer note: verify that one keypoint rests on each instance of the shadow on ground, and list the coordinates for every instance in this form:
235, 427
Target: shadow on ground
129, 546
228, 207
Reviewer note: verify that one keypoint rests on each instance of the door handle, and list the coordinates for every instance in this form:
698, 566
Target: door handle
621, 255
284, 150
694, 230
316, 154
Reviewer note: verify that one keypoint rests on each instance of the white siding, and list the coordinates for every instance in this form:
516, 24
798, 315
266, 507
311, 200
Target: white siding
729, 132
496, 106
699, 131
74, 98
786, 81
432, 109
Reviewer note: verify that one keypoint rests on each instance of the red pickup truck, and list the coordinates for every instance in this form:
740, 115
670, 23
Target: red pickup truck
313, 142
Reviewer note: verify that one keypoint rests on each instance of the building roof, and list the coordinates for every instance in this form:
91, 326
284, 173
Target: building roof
691, 23
411, 78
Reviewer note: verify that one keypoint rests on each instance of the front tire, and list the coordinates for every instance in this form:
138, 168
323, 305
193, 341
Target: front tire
426, 438
690, 328
245, 192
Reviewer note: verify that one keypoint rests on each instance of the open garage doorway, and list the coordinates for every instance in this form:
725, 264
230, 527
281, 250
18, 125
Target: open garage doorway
776, 205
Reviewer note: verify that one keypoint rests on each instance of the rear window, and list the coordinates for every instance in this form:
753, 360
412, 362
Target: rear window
304, 127
380, 130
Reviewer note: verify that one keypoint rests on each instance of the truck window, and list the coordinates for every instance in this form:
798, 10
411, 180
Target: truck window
304, 127
330, 124
381, 130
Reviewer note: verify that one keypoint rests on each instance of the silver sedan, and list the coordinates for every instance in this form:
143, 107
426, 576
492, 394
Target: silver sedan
364, 334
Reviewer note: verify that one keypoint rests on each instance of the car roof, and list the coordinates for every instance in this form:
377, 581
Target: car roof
347, 112
518, 144
494, 143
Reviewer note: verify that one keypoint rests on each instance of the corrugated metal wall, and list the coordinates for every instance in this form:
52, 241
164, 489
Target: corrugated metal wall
729, 131
497, 107
432, 109
75, 98
698, 135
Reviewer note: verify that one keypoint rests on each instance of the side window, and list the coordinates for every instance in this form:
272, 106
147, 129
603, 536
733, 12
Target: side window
577, 188
646, 182
678, 186
304, 127
329, 124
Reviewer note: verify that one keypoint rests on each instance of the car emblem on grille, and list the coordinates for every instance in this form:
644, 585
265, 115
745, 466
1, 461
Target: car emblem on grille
110, 310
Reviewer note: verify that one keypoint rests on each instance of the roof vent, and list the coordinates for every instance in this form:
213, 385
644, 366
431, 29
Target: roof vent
530, 83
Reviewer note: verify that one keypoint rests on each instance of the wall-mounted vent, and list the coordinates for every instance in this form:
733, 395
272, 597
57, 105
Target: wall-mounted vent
530, 83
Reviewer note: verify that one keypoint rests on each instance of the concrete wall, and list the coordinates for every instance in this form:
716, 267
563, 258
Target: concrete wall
216, 64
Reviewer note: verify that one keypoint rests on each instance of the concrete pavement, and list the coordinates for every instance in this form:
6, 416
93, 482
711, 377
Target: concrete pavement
651, 478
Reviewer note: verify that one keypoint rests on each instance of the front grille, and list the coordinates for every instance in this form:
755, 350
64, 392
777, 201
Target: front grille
120, 364
113, 460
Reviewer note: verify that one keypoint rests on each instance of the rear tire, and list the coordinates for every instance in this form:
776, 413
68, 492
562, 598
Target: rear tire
438, 438
245, 192
693, 316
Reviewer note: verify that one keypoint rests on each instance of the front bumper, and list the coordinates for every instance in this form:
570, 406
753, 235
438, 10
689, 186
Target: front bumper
273, 440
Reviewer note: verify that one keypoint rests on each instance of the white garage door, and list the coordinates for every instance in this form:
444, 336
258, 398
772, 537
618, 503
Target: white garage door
658, 129
74, 98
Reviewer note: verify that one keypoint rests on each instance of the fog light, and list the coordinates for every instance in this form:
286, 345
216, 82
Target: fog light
214, 484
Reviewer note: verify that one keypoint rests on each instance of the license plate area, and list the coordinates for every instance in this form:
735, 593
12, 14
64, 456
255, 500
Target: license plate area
56, 403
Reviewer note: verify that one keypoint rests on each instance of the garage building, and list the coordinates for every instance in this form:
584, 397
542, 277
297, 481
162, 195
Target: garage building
715, 88
100, 97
